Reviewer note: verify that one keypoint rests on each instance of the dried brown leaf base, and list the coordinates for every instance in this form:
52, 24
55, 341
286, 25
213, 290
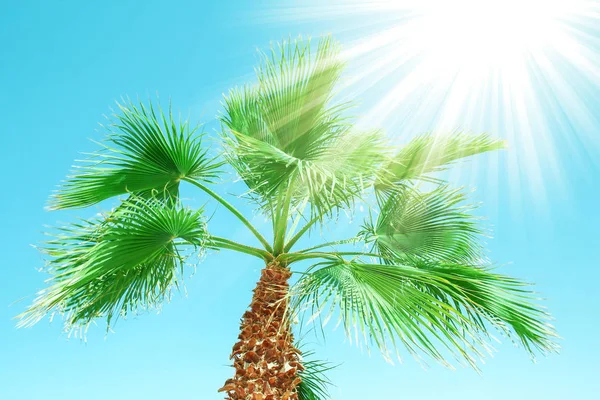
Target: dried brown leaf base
265, 360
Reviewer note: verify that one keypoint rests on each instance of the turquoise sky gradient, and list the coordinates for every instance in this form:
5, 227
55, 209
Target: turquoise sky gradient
64, 64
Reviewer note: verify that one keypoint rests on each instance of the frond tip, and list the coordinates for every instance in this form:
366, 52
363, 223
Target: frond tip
111, 267
427, 154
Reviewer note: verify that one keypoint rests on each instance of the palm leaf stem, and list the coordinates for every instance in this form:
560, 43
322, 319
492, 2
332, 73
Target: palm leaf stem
281, 222
234, 211
329, 244
334, 255
217, 242
300, 233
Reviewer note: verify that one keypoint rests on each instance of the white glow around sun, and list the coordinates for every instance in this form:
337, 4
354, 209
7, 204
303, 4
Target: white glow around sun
485, 33
519, 69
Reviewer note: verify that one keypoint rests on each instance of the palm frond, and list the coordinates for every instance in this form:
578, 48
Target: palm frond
432, 225
116, 265
284, 135
429, 153
146, 151
425, 310
505, 302
315, 384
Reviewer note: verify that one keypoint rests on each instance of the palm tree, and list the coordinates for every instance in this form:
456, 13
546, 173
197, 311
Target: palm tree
414, 277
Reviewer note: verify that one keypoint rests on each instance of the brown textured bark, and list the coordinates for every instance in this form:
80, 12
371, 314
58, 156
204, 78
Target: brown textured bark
265, 360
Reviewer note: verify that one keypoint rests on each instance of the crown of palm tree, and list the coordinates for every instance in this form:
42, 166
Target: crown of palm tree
423, 285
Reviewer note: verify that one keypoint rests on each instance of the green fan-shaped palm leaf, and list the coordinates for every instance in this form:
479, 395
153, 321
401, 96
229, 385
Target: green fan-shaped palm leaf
423, 309
284, 136
116, 265
146, 151
430, 153
432, 225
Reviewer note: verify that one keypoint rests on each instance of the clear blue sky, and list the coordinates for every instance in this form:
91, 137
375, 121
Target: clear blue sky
63, 65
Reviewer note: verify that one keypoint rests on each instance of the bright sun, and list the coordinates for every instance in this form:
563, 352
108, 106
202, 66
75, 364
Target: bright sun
484, 33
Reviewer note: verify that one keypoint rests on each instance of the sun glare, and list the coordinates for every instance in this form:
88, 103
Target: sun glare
484, 33
524, 70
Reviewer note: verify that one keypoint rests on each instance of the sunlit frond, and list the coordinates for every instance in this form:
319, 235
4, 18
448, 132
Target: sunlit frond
284, 134
145, 151
116, 265
425, 310
432, 225
429, 153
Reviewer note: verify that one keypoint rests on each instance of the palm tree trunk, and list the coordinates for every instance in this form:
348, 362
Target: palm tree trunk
265, 360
